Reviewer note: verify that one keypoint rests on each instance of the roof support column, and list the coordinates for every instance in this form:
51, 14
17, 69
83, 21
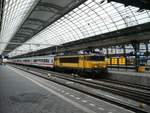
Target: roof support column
125, 55
136, 46
115, 50
147, 49
107, 52
124, 50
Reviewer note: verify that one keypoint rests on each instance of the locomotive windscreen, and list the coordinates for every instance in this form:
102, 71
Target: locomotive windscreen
69, 60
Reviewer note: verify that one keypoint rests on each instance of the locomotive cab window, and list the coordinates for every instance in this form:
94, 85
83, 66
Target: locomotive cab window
96, 58
69, 60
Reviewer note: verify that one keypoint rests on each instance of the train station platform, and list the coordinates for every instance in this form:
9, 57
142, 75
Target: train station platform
21, 92
130, 77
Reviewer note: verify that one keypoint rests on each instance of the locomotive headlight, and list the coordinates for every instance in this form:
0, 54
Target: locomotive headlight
96, 66
104, 66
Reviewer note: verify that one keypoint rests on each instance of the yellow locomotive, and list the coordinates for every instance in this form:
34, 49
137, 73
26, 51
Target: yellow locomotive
81, 63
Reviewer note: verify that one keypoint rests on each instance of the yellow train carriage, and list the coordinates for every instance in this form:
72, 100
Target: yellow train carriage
81, 63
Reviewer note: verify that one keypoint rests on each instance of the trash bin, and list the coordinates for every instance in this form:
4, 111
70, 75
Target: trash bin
141, 69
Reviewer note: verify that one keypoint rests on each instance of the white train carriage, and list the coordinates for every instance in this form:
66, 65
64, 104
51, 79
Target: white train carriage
41, 61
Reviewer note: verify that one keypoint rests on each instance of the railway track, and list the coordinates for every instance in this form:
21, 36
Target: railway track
142, 87
130, 92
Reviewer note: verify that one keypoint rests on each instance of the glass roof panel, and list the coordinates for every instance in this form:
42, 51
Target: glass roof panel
89, 19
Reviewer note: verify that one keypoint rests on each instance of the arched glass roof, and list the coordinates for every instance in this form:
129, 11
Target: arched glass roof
93, 17
14, 13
